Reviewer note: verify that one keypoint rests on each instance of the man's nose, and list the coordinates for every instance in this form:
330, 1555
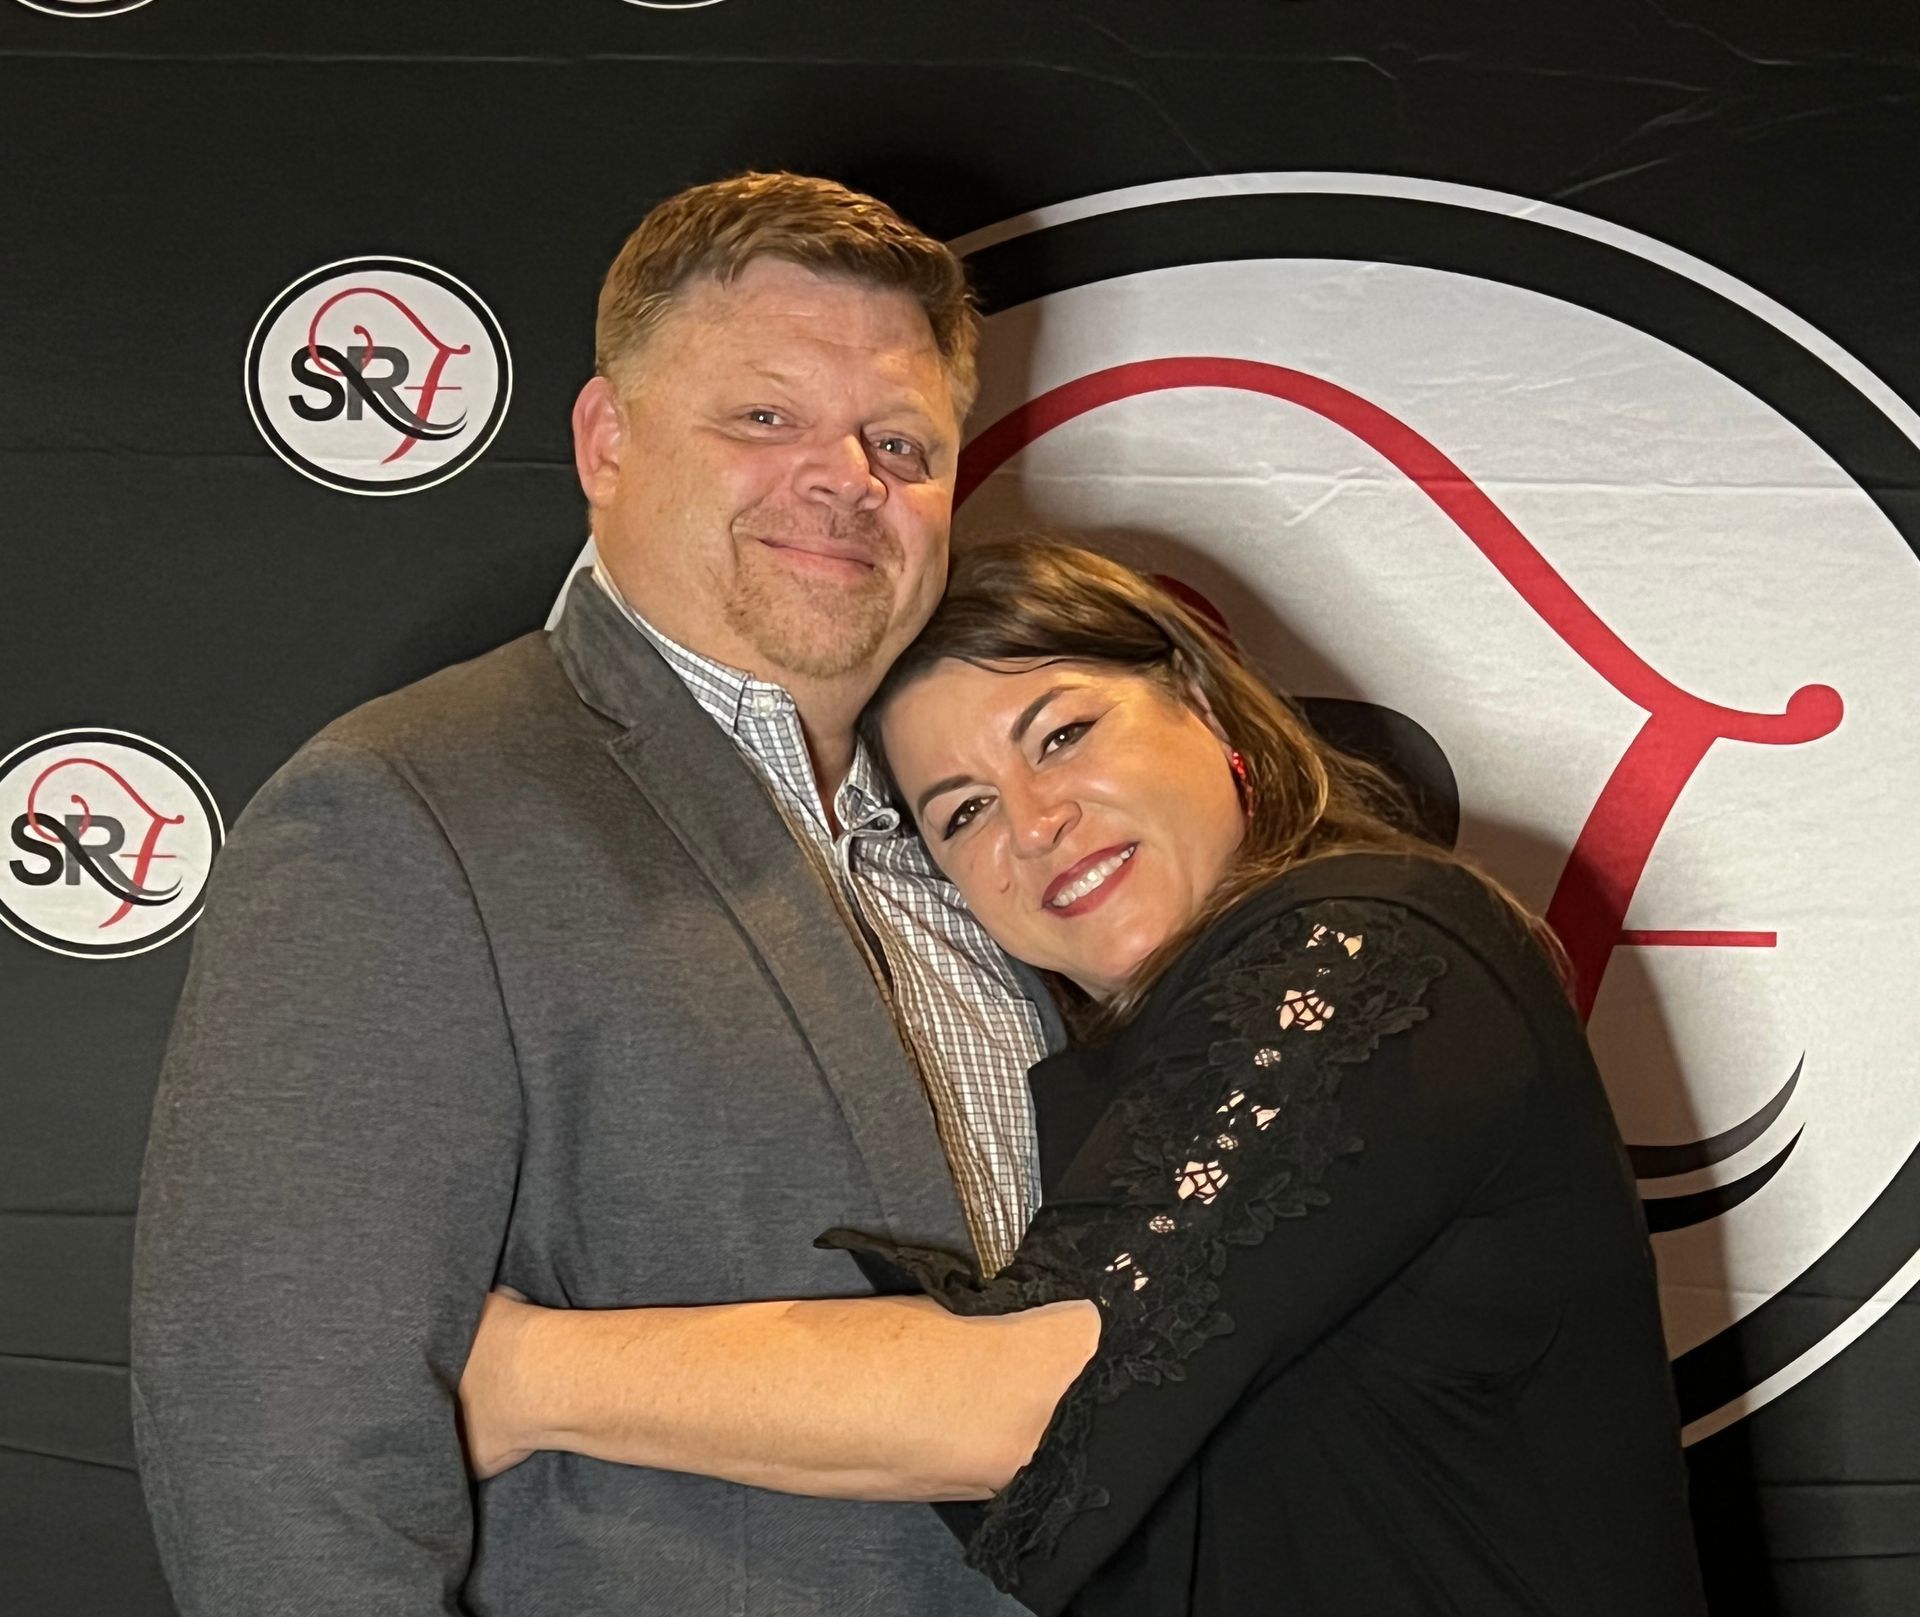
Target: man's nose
840, 472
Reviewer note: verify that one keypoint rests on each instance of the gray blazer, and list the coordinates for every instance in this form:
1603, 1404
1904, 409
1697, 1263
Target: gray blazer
517, 975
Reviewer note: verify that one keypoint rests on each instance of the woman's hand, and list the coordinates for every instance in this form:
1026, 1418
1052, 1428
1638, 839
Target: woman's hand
494, 1392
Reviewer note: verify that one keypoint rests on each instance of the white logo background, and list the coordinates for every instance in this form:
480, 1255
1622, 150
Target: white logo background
120, 795
1727, 550
436, 349
1722, 546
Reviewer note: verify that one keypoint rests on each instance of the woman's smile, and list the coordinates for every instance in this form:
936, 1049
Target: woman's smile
1090, 882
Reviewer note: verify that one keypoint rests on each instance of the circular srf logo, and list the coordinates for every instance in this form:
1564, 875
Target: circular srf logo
84, 8
110, 838
378, 376
1613, 532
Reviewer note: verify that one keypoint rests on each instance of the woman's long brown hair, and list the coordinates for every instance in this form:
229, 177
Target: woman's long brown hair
1016, 600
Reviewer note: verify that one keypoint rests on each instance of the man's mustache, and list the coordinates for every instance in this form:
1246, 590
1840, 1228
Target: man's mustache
858, 534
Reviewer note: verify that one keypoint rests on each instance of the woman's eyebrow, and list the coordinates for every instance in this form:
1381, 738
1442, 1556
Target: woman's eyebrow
1032, 711
933, 791
1020, 727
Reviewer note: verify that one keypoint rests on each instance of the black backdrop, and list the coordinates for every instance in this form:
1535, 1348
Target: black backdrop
169, 170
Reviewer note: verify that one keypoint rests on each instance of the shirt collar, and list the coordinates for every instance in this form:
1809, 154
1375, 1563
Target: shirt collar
863, 804
731, 697
726, 693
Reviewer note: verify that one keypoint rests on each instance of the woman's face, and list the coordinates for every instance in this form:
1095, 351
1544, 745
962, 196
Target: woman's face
1084, 812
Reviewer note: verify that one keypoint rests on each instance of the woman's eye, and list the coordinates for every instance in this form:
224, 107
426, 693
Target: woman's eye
1065, 736
962, 816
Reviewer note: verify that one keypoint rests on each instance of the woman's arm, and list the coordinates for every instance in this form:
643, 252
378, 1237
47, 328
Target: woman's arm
859, 1398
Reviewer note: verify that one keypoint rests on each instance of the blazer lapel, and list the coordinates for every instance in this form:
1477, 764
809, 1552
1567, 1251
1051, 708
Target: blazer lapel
709, 796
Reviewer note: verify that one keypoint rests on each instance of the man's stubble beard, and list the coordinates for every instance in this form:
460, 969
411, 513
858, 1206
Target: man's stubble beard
816, 628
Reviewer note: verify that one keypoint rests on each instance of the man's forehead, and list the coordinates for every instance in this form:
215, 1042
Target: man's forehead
781, 324
801, 363
799, 355
780, 301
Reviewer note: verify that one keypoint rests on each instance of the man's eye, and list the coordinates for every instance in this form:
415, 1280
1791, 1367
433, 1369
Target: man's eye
764, 418
1065, 736
962, 816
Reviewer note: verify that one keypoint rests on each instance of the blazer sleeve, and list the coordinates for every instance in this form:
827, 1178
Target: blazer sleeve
325, 1195
1325, 1098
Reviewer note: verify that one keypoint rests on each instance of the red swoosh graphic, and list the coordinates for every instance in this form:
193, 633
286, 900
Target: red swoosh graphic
149, 843
1589, 905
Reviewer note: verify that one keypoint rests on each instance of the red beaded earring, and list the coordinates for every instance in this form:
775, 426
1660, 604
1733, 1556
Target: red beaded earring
1242, 781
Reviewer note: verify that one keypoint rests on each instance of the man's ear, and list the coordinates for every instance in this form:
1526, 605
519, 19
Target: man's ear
599, 440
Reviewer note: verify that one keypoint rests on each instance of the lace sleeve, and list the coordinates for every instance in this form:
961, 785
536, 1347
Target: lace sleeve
1218, 1153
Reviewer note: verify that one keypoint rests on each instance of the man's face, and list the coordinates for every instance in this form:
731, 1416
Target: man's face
781, 477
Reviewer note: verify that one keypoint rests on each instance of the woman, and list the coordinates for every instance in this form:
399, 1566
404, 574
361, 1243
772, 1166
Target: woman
1378, 1332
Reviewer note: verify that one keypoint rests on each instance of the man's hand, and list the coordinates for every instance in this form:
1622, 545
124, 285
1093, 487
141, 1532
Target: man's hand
494, 1393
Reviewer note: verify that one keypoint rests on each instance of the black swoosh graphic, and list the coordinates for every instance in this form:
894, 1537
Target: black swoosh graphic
403, 421
106, 876
1664, 1161
1678, 1212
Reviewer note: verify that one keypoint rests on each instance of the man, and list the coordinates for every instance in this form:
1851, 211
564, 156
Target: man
571, 970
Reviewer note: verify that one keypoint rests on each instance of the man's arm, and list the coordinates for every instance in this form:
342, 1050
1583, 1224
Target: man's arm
325, 1195
862, 1398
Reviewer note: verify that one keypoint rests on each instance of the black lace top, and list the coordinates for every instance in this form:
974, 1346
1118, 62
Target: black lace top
1379, 1332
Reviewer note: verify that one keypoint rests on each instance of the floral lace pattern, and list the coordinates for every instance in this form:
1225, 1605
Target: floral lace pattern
1218, 1152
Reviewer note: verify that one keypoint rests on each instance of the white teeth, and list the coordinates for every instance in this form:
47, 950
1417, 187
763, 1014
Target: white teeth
1074, 891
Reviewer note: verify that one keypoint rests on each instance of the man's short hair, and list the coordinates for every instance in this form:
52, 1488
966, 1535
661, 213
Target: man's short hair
719, 228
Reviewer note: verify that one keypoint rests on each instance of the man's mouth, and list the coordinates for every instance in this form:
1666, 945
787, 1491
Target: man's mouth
1091, 875
821, 552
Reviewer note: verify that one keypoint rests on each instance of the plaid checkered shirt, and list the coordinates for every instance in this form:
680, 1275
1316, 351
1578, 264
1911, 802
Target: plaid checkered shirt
962, 1014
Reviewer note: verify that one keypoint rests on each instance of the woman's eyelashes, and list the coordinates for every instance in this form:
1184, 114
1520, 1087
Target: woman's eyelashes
1061, 736
962, 816
1064, 736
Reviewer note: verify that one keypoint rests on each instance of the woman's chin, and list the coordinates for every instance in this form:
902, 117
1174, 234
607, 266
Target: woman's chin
1104, 977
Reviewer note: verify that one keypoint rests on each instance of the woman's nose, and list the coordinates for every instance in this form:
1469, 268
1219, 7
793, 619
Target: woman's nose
840, 472
1040, 817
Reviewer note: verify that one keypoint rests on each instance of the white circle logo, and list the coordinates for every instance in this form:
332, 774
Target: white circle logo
1611, 535
84, 8
378, 376
1608, 554
110, 838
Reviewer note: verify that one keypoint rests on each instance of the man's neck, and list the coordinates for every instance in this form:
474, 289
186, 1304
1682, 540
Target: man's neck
827, 709
830, 749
